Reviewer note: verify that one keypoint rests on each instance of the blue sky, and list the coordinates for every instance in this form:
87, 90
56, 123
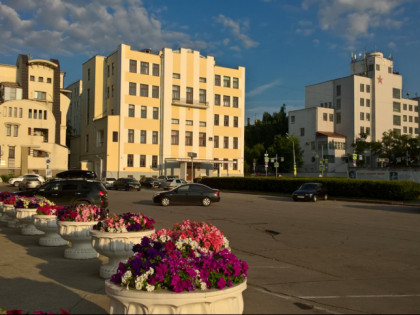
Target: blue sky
284, 45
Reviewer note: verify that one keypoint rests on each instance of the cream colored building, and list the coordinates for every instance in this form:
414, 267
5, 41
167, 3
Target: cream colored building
145, 114
33, 109
336, 112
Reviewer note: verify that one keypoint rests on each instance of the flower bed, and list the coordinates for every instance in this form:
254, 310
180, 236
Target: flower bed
32, 202
48, 209
82, 213
126, 222
191, 256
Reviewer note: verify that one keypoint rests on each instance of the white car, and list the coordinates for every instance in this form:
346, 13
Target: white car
172, 183
15, 181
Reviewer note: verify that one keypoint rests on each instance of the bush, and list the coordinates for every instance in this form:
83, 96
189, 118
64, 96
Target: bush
5, 178
337, 187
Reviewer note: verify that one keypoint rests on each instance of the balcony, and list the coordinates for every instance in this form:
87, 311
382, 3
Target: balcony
187, 103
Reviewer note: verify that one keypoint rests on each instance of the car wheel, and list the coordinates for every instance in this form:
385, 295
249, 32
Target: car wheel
206, 202
314, 198
325, 197
16, 184
81, 203
165, 201
127, 188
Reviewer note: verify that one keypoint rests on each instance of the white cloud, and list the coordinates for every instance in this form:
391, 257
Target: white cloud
263, 88
84, 27
354, 19
237, 29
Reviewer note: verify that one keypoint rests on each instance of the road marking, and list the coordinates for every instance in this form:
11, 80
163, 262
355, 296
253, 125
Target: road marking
380, 296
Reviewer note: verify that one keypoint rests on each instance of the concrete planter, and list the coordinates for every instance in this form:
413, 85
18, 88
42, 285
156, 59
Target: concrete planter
48, 225
80, 241
25, 217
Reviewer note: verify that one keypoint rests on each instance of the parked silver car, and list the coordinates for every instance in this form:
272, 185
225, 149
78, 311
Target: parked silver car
172, 183
15, 181
108, 182
29, 183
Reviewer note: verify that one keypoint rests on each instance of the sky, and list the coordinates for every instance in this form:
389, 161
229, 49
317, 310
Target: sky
284, 45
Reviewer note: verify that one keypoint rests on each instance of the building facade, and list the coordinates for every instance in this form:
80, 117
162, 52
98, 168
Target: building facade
33, 109
336, 112
174, 112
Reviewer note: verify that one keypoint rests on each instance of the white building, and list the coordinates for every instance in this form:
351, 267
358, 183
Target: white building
336, 112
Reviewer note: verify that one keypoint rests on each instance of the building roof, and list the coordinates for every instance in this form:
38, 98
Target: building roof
329, 134
10, 84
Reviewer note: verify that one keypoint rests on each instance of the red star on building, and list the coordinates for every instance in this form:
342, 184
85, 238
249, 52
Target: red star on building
380, 79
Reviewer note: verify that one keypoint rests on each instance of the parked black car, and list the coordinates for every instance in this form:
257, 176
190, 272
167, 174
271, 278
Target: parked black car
127, 183
188, 194
310, 191
85, 174
65, 192
149, 182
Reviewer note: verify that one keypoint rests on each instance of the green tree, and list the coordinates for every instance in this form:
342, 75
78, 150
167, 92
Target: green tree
283, 147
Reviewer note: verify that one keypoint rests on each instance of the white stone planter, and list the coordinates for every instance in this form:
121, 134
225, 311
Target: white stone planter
214, 301
25, 217
48, 225
10, 211
116, 246
80, 241
4, 217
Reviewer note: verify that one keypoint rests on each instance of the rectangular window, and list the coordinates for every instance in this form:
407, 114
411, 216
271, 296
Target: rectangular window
235, 121
155, 69
338, 118
144, 90
216, 99
302, 132
396, 93
203, 80
155, 112
338, 103
404, 118
144, 67
235, 83
132, 88
217, 81
235, 101
8, 130
235, 142
410, 118
142, 160
216, 141
235, 164
155, 91
35, 114
338, 90
202, 96
189, 138
174, 137
133, 66
143, 112
362, 130
29, 131
410, 108
362, 102
189, 95
216, 119
292, 119
378, 67
115, 136
396, 107
225, 165
202, 139
362, 116
143, 136
225, 142
32, 78
325, 116
11, 152
362, 87
131, 135
189, 122
368, 116
226, 121
331, 117
226, 100
20, 112
40, 79
154, 161
176, 75
410, 130
175, 121
40, 114
226, 81
367, 102
404, 106
40, 95
397, 120
175, 92
155, 137
14, 111
130, 160
45, 114
131, 110
368, 130
202, 124
367, 88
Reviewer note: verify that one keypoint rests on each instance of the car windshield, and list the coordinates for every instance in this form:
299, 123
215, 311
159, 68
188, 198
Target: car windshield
308, 186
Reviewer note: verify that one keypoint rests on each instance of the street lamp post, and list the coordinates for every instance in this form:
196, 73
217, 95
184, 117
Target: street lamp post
294, 155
